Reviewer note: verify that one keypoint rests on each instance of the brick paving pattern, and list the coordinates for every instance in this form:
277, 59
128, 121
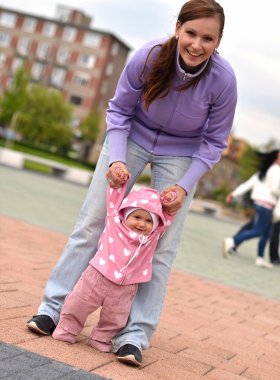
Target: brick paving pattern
208, 329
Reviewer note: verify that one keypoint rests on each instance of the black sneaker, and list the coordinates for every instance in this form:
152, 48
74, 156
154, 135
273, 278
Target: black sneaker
41, 324
129, 354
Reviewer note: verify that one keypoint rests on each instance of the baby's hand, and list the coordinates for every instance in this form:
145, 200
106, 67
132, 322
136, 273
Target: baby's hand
175, 201
168, 197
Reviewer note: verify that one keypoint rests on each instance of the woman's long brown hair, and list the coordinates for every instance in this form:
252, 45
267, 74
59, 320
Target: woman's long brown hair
158, 80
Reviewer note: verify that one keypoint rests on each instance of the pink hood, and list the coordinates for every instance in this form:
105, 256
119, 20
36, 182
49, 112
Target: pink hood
145, 198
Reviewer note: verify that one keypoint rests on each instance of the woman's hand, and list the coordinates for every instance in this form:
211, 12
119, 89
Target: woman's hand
172, 206
117, 174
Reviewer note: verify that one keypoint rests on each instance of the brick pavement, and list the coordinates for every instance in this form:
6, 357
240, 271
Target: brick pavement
208, 330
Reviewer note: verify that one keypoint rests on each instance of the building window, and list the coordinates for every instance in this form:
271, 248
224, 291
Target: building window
5, 39
2, 59
92, 40
69, 34
8, 19
29, 24
37, 70
86, 60
42, 51
81, 79
115, 49
57, 77
109, 69
23, 46
63, 55
77, 100
49, 29
16, 64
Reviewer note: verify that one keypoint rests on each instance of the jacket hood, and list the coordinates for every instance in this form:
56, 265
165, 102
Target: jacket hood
145, 198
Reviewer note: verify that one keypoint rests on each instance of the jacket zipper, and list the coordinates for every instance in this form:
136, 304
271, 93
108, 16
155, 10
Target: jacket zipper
168, 122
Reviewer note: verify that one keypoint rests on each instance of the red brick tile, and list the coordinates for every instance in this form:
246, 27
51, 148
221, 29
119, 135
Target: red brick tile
219, 374
261, 372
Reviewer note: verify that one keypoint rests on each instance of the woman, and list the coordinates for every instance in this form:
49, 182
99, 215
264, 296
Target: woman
265, 190
173, 109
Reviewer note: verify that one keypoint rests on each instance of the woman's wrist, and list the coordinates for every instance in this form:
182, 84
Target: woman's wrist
181, 189
117, 163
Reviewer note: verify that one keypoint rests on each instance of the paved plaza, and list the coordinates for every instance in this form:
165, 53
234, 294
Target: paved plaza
220, 318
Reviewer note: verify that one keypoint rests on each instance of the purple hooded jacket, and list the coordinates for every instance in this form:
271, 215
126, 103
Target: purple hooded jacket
195, 122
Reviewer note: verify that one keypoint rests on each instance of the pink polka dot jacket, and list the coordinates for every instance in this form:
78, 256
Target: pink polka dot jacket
124, 256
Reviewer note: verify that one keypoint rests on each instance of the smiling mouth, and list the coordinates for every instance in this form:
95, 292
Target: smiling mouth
195, 55
136, 229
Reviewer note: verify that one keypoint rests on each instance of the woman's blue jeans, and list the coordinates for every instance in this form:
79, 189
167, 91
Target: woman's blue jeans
261, 228
82, 245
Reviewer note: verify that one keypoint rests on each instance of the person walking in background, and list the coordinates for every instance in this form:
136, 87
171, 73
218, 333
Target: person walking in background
123, 260
173, 108
274, 240
265, 190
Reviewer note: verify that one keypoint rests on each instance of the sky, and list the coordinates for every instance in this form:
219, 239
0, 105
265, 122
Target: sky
251, 43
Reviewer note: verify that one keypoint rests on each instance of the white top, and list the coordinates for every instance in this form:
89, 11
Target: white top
267, 190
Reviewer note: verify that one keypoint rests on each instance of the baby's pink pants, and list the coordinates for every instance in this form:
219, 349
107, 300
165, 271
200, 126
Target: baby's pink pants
92, 291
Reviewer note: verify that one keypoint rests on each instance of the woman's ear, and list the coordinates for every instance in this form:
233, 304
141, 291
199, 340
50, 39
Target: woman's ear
177, 28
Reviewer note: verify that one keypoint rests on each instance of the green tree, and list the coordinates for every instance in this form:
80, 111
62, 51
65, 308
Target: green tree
45, 119
13, 100
89, 126
248, 163
89, 132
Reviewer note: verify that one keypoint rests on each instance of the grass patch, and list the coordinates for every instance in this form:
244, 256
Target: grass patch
37, 167
20, 147
144, 179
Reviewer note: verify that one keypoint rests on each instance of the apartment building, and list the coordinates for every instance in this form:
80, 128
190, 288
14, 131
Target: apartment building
64, 53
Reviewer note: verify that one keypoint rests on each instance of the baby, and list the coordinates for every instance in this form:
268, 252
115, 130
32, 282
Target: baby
133, 226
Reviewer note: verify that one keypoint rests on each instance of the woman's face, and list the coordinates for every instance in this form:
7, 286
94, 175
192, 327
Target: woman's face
198, 39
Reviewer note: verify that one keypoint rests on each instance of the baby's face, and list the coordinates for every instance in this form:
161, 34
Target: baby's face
140, 221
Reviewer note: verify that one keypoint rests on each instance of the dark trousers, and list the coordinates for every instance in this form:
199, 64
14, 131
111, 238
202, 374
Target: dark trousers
274, 242
246, 226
